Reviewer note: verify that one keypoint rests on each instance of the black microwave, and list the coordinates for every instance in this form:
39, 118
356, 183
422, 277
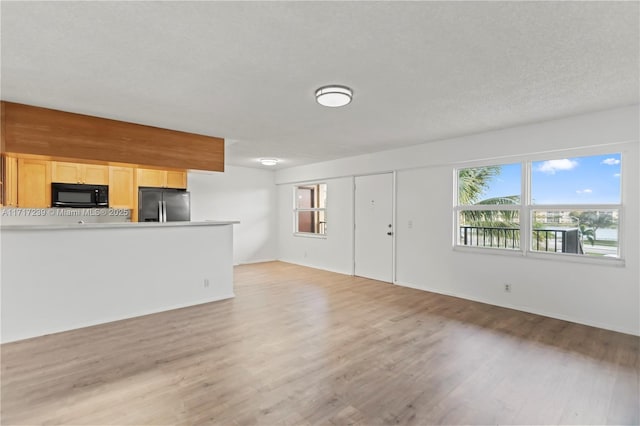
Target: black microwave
79, 195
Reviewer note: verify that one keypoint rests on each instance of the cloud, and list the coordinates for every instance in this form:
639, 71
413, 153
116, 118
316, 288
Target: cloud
616, 175
552, 166
610, 161
584, 191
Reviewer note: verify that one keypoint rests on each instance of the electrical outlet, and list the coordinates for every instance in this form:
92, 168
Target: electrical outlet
206, 283
507, 288
410, 224
305, 254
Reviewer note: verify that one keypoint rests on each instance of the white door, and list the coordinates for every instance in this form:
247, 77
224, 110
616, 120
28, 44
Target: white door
373, 227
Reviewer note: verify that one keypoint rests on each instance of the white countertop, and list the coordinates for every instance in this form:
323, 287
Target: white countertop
114, 225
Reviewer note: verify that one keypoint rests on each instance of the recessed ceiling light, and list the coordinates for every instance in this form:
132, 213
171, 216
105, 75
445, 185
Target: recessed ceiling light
334, 96
268, 161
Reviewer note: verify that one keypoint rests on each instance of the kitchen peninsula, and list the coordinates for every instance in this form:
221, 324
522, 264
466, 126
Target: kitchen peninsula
66, 276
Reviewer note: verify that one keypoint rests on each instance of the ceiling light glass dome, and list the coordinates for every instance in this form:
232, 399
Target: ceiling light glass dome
334, 96
269, 161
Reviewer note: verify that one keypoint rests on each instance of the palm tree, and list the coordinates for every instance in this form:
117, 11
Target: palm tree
595, 220
497, 218
498, 226
587, 233
473, 182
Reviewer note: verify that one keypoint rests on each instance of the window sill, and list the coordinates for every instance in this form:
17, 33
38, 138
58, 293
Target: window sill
307, 235
489, 250
577, 258
554, 257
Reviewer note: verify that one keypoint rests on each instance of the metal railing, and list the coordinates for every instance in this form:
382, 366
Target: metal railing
557, 240
489, 236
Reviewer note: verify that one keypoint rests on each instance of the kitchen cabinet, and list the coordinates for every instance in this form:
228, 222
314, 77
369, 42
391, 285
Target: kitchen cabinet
65, 172
162, 178
121, 188
93, 174
9, 178
34, 183
59, 134
151, 177
26, 180
176, 179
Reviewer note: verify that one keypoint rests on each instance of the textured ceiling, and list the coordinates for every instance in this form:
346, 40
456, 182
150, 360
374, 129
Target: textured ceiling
247, 71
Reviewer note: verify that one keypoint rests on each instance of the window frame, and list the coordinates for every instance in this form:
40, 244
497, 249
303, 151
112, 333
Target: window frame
586, 207
526, 210
458, 208
297, 210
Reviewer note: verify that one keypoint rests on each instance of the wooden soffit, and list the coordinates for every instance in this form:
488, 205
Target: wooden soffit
33, 130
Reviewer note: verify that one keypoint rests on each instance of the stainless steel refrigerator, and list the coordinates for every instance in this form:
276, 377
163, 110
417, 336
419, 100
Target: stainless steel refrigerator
163, 205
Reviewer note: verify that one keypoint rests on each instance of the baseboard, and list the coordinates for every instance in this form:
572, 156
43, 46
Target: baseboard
524, 309
249, 262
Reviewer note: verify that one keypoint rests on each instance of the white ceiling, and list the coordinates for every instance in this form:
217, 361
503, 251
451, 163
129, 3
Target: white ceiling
247, 71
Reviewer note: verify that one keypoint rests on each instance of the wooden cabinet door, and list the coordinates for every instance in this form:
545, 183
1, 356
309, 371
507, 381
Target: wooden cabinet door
92, 174
95, 174
64, 172
151, 177
34, 183
176, 179
121, 194
10, 181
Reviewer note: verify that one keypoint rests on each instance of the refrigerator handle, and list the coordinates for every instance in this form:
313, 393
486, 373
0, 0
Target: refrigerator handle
164, 211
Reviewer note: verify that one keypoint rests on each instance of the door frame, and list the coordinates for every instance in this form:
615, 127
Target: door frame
393, 220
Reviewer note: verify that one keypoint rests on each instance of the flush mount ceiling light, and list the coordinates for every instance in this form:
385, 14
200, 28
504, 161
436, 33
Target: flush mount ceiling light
334, 96
268, 161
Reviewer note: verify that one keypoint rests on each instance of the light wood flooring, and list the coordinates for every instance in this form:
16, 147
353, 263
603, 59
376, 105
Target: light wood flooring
301, 346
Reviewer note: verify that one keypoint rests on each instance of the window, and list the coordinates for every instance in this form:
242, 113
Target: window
568, 206
576, 205
310, 209
488, 210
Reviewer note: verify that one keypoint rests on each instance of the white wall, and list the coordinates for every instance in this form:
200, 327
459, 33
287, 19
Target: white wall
602, 295
588, 130
61, 279
244, 194
334, 252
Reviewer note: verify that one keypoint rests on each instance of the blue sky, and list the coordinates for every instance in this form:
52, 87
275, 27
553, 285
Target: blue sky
578, 180
506, 183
